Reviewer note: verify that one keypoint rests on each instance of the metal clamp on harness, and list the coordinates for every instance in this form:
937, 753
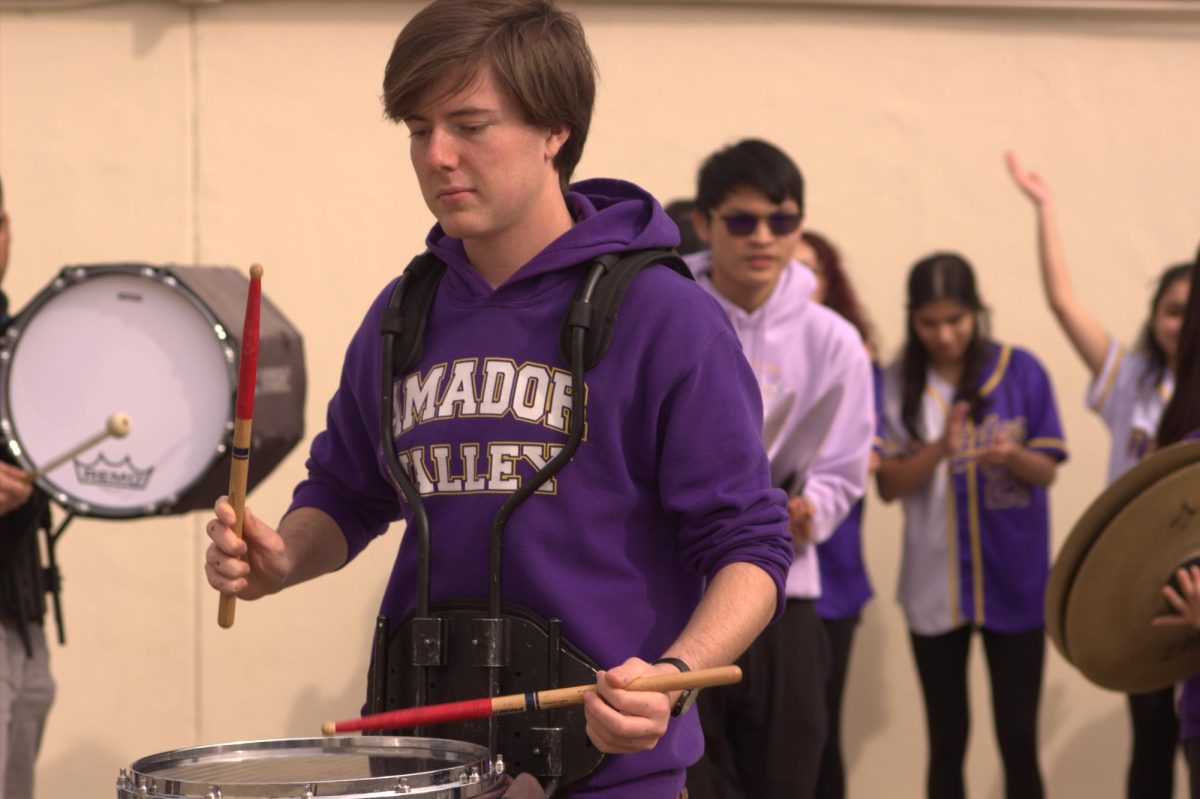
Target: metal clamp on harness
461, 649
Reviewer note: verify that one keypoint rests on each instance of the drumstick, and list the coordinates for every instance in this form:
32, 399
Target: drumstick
240, 467
117, 426
521, 703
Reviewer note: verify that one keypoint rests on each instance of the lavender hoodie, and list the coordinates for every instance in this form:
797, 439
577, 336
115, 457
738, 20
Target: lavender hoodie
669, 485
803, 353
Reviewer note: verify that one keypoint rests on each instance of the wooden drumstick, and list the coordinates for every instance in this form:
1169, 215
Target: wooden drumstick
117, 426
239, 469
522, 703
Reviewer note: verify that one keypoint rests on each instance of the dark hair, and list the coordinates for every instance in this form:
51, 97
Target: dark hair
680, 212
942, 276
839, 294
1156, 357
749, 164
1182, 414
536, 53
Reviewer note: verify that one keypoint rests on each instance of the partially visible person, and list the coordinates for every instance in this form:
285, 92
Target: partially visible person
845, 584
765, 737
972, 441
26, 687
1181, 422
680, 212
1129, 390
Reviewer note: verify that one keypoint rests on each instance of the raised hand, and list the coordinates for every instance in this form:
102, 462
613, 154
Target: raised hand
1030, 182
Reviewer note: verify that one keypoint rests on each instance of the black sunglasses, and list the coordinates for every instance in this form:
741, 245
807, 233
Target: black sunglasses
780, 224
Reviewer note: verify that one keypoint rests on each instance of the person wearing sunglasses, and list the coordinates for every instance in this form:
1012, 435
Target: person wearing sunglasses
766, 736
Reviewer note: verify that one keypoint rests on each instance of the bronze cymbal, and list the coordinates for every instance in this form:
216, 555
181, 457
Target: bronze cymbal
1095, 520
1117, 590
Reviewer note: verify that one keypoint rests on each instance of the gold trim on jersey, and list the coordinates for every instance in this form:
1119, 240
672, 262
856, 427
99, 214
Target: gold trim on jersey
998, 374
1112, 378
1047, 443
972, 477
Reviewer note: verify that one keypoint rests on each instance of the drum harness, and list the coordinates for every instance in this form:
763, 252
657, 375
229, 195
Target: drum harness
417, 664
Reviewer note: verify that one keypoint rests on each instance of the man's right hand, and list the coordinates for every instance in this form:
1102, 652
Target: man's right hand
249, 567
14, 488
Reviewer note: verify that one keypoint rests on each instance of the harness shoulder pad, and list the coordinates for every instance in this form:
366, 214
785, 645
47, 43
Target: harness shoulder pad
619, 272
407, 311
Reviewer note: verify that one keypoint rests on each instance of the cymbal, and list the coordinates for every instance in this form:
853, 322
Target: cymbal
1117, 588
1095, 520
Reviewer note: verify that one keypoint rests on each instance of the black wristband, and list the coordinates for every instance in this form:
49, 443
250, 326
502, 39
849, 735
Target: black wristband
687, 697
676, 662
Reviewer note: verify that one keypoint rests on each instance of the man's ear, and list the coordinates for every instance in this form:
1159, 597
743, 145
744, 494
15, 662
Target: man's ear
702, 222
556, 137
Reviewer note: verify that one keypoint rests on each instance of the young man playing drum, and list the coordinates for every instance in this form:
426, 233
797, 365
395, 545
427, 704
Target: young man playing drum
662, 537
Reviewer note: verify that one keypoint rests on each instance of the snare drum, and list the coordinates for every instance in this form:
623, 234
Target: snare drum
160, 344
341, 766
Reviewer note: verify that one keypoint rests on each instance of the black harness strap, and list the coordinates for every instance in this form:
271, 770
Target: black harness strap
408, 312
599, 315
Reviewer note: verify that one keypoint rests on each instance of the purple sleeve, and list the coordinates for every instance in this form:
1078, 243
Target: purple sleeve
1044, 433
877, 388
345, 477
714, 472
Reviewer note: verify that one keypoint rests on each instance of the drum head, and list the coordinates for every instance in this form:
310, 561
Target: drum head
345, 766
130, 340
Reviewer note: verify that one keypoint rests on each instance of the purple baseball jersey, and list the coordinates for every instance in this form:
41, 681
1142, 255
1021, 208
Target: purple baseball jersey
977, 539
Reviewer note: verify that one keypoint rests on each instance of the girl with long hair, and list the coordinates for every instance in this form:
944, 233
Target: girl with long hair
972, 440
1129, 390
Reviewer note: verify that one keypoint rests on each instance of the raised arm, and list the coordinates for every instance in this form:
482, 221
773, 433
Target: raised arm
1086, 334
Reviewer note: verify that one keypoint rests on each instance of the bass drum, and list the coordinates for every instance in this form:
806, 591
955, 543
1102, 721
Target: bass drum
160, 344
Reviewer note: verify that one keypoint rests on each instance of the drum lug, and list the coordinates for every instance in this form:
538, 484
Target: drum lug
123, 780
147, 786
214, 792
489, 644
428, 642
499, 766
547, 750
403, 787
310, 791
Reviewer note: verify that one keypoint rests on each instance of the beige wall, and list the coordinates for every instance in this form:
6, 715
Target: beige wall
251, 131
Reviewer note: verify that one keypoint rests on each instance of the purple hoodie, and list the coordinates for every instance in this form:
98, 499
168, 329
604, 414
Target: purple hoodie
669, 485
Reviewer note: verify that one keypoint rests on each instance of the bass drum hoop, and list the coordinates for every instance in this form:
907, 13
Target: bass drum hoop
74, 275
464, 770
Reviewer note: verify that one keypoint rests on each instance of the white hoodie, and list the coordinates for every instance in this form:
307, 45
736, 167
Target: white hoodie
818, 409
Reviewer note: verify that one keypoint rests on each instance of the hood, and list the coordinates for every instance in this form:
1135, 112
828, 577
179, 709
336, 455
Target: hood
611, 216
792, 294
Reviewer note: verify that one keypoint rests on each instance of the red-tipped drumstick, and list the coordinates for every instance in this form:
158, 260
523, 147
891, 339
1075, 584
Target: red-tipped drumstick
240, 467
521, 703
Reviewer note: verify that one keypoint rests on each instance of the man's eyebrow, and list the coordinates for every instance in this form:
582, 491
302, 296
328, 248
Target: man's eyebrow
458, 113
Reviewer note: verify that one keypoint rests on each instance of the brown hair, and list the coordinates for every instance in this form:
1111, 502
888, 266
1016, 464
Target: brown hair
536, 53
